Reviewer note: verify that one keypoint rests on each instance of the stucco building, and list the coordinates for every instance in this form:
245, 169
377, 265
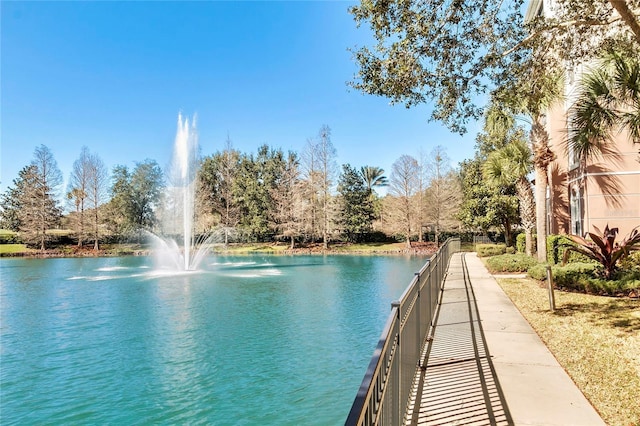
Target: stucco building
599, 191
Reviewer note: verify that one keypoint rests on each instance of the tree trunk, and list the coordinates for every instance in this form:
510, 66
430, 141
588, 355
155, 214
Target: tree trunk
541, 212
507, 232
293, 242
627, 16
96, 231
528, 242
542, 157
527, 212
408, 227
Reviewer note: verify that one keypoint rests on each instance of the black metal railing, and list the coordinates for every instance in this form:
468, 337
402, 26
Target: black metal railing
384, 393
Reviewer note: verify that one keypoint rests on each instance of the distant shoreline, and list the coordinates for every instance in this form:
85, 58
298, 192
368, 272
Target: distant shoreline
417, 249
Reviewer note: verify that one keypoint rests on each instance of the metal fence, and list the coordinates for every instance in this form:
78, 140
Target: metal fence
384, 393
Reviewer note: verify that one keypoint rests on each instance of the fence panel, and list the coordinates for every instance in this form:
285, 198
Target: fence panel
384, 392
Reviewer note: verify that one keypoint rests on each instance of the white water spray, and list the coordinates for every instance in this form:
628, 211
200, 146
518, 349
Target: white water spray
183, 175
181, 202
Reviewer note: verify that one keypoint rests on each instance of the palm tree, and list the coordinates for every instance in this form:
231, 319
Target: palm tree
373, 177
510, 164
608, 100
532, 95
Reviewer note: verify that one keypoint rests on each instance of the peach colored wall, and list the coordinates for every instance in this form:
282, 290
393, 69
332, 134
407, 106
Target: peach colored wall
611, 187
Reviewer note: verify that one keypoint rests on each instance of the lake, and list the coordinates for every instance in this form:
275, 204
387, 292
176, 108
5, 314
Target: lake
279, 340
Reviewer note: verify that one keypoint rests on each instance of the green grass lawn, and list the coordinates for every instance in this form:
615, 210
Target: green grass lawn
371, 247
249, 248
13, 248
596, 339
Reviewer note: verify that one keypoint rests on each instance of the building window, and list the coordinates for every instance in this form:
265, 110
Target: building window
574, 160
577, 211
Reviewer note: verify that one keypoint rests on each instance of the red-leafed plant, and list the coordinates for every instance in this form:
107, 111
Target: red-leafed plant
603, 248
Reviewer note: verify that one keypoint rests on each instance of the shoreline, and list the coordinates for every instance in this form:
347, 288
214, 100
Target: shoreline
417, 249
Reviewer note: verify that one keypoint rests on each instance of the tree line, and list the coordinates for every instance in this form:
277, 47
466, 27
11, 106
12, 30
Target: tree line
264, 196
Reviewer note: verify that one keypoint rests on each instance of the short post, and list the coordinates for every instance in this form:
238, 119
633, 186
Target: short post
552, 298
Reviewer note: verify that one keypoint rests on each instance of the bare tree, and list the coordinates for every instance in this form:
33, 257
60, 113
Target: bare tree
328, 169
443, 195
319, 170
78, 191
97, 186
403, 188
423, 166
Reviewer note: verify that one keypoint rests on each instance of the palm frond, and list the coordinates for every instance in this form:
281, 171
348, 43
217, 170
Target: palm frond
495, 169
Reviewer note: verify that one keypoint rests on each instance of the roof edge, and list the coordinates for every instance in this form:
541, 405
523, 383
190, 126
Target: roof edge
533, 10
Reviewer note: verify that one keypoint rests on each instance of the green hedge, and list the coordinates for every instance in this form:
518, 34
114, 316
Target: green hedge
510, 263
486, 250
9, 237
521, 243
580, 276
557, 245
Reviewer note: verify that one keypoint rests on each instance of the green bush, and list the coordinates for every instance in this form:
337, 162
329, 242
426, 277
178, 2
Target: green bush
630, 263
521, 243
581, 276
510, 263
565, 276
538, 271
510, 250
562, 273
9, 237
486, 250
557, 245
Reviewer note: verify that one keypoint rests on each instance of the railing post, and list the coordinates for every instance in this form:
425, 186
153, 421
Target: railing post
397, 368
418, 315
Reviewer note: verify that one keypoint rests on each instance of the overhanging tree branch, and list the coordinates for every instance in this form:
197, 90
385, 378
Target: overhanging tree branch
627, 16
575, 22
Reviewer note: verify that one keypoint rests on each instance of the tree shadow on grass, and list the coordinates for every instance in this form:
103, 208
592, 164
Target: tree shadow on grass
621, 315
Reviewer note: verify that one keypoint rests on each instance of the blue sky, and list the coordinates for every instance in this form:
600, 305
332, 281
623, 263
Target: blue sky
114, 75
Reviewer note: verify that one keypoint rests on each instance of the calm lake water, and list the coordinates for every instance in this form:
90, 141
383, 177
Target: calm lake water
249, 340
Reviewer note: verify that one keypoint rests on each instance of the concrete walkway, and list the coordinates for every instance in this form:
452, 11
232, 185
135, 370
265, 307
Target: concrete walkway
486, 365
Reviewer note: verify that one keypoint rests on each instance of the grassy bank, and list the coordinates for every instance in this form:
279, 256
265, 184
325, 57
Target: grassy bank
12, 249
596, 339
317, 248
231, 249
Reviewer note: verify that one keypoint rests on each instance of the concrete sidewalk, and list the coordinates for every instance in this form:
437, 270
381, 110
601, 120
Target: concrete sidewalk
487, 366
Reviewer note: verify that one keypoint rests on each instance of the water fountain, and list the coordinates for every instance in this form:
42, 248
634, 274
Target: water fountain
179, 220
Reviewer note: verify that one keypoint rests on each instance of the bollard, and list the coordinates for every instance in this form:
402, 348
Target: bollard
552, 298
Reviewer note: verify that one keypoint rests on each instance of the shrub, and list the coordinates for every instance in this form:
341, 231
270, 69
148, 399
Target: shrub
521, 242
9, 237
486, 250
557, 245
603, 248
538, 271
510, 263
565, 275
580, 277
510, 250
630, 263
